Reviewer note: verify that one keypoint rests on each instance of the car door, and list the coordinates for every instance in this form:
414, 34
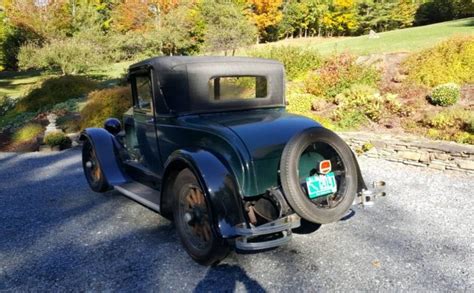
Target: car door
144, 122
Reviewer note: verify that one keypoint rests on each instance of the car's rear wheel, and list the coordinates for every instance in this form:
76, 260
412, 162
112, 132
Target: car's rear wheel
300, 164
92, 169
193, 221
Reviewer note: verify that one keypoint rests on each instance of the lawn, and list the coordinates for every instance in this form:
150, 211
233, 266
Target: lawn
402, 40
14, 84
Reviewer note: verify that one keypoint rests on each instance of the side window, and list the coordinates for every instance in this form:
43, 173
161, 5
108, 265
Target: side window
143, 92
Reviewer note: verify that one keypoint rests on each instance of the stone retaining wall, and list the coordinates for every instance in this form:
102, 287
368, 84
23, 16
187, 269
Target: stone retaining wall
413, 150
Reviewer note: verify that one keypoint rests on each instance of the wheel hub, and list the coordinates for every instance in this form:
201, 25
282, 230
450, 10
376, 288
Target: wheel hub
196, 215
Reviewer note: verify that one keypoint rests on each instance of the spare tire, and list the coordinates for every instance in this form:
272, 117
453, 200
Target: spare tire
300, 160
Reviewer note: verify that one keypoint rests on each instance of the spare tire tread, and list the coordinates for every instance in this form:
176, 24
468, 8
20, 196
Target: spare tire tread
288, 175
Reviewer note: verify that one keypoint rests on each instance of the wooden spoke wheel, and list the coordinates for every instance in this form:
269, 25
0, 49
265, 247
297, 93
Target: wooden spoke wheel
192, 216
196, 216
92, 169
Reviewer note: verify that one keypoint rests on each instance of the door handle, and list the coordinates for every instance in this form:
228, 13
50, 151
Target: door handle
151, 120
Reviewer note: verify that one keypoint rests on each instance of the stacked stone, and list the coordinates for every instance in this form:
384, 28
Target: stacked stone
416, 151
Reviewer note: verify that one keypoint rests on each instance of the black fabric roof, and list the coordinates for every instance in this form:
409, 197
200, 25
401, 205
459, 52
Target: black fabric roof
184, 80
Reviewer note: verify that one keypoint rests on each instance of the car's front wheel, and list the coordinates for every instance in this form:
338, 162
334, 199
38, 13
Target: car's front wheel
192, 217
92, 169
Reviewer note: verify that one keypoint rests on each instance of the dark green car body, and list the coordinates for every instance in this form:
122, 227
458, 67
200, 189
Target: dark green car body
181, 119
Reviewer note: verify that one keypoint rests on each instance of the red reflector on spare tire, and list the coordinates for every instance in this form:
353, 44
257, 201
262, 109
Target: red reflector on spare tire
325, 167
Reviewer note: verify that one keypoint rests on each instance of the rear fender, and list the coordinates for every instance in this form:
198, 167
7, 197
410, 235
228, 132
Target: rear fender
360, 180
107, 149
219, 184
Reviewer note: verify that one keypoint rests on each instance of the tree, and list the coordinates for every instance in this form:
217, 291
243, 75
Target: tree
139, 16
296, 19
344, 16
181, 31
403, 13
3, 35
441, 10
227, 27
47, 19
69, 55
265, 14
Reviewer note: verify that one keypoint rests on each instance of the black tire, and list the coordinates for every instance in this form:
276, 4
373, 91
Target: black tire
329, 142
197, 233
92, 169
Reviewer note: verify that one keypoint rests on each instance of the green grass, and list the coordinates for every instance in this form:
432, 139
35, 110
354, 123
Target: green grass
15, 84
402, 40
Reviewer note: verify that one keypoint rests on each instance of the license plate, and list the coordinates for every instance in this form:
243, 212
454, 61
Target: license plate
320, 185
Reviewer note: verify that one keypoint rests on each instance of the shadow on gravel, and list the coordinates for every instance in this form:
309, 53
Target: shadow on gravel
229, 275
56, 234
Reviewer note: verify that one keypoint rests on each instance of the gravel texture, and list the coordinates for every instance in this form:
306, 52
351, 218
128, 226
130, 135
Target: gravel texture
57, 235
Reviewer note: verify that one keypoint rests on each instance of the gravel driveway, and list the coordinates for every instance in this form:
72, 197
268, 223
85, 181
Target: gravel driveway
56, 234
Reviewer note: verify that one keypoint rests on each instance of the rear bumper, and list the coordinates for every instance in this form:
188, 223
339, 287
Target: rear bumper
368, 196
272, 234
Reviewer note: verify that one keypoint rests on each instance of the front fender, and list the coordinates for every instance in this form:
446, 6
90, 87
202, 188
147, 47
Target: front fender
106, 148
219, 184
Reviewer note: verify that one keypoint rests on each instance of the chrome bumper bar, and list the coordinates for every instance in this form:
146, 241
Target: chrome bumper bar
367, 196
248, 239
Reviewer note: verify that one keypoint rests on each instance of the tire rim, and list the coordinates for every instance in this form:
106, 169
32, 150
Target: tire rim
317, 152
195, 217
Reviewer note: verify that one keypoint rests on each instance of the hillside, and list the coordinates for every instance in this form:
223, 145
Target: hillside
402, 40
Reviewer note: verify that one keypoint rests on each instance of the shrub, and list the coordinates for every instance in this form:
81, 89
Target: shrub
6, 104
302, 104
55, 90
297, 60
367, 146
71, 105
464, 137
450, 61
57, 139
27, 133
469, 124
337, 74
69, 56
366, 101
445, 94
102, 104
299, 103
69, 123
14, 119
448, 119
441, 120
451, 124
349, 120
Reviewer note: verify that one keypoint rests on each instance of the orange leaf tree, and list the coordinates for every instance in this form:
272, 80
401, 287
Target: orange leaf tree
265, 14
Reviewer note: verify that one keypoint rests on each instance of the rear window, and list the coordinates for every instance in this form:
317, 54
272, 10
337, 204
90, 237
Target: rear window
237, 87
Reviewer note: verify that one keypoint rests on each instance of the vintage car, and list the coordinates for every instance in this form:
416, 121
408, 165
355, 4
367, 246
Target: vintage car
209, 144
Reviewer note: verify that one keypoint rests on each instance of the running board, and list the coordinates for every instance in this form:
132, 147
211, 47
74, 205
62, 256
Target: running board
142, 194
